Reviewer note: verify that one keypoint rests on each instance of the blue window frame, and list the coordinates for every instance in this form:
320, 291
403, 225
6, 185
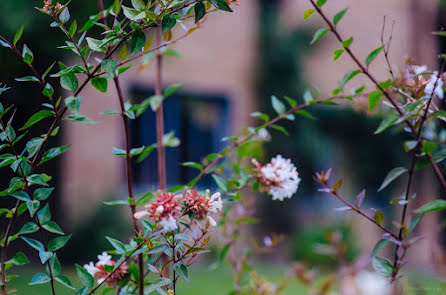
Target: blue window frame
199, 121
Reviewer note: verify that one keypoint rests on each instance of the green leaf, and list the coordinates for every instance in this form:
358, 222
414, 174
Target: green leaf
86, 278
428, 147
378, 217
34, 243
220, 182
18, 259
116, 7
79, 119
109, 66
20, 195
28, 79
137, 42
53, 227
321, 3
436, 205
181, 270
337, 53
387, 122
415, 222
348, 76
100, 84
42, 194
37, 117
28, 228
48, 91
73, 28
39, 279
193, 165
96, 45
379, 246
171, 90
318, 35
18, 35
374, 98
57, 243
391, 176
382, 266
82, 291
346, 43
54, 152
308, 13
437, 114
27, 55
280, 129
169, 140
64, 281
33, 206
44, 214
73, 104
371, 57
69, 82
168, 22
64, 16
44, 256
278, 106
221, 4
200, 11
118, 245
40, 179
337, 18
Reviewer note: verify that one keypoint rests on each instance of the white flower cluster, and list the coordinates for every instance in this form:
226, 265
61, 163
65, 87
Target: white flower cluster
103, 259
431, 81
371, 283
284, 176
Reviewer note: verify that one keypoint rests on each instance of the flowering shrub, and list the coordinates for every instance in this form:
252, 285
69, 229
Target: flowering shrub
174, 225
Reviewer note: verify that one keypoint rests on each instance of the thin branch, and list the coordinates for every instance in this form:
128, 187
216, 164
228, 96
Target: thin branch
5, 246
161, 150
128, 157
411, 172
386, 47
357, 210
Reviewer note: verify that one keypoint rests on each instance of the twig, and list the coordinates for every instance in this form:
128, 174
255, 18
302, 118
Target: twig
357, 210
411, 172
161, 151
386, 47
128, 157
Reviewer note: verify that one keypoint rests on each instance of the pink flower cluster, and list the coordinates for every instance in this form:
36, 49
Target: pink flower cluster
48, 7
167, 208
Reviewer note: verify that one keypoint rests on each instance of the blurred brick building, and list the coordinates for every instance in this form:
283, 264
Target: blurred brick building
218, 64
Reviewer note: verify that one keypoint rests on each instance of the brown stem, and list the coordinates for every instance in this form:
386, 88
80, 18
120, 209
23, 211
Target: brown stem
128, 157
357, 210
161, 151
5, 246
411, 171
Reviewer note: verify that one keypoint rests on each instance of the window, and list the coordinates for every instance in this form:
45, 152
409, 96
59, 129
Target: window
199, 121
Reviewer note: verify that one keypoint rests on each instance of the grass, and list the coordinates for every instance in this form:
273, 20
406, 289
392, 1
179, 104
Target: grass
202, 282
219, 282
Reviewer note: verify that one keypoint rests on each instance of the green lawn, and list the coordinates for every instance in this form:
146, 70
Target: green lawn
202, 282
219, 282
